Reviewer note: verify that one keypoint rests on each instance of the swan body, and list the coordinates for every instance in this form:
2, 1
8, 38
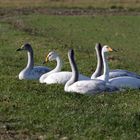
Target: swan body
125, 82
62, 77
30, 71
56, 76
87, 86
120, 72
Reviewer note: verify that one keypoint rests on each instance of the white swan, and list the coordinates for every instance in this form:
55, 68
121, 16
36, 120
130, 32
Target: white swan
31, 72
88, 86
116, 72
119, 82
50, 57
63, 77
55, 76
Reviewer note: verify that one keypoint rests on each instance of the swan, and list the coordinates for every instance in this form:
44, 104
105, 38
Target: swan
31, 71
50, 57
65, 76
116, 72
56, 76
118, 82
91, 86
99, 67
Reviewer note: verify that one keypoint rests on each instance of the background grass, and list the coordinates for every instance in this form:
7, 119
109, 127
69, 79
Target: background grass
29, 110
71, 3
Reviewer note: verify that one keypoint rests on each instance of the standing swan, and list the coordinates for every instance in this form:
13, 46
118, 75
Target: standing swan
88, 86
56, 76
31, 72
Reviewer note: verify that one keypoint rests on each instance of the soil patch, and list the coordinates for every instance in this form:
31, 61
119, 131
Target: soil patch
69, 12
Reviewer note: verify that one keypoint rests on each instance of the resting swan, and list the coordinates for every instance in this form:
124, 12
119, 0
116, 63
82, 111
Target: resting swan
119, 82
55, 76
50, 57
117, 72
88, 86
31, 72
65, 76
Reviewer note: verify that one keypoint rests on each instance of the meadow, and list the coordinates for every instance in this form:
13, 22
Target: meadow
30, 110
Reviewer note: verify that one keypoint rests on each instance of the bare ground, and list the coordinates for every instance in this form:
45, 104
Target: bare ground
71, 11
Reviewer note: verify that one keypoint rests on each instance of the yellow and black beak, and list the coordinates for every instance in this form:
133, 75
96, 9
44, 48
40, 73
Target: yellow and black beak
46, 60
21, 48
110, 49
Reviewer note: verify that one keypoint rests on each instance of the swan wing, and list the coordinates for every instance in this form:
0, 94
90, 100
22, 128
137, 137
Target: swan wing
87, 87
37, 71
119, 73
62, 77
125, 82
58, 78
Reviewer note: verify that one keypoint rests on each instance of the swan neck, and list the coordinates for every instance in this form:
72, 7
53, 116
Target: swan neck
99, 66
56, 69
59, 64
30, 62
75, 74
106, 67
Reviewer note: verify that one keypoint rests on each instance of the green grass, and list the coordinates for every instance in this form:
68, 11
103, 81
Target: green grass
47, 110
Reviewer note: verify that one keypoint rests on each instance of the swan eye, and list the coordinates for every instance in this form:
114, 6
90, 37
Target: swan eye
49, 55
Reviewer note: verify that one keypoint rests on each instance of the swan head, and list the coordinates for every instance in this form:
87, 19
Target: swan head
26, 46
106, 48
51, 56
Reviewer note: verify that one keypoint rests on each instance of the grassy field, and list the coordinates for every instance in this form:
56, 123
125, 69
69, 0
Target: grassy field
29, 110
71, 3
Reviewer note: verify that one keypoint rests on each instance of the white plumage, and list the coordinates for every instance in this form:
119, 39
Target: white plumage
31, 72
125, 82
123, 78
62, 77
56, 76
119, 72
112, 73
87, 86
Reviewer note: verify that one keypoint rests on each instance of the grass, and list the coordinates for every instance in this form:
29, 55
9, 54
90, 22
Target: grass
71, 3
37, 111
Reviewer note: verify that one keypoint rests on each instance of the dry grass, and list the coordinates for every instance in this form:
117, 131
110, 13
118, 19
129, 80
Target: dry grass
70, 3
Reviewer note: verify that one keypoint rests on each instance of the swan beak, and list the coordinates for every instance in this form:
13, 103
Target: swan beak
19, 49
46, 60
110, 49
